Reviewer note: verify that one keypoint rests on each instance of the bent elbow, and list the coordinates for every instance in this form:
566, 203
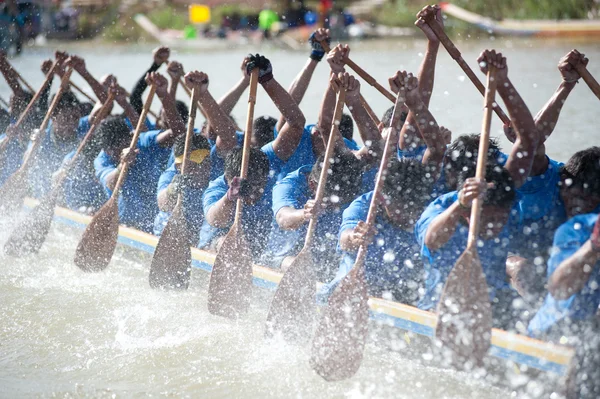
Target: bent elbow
560, 288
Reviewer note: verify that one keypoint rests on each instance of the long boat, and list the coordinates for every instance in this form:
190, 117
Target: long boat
508, 349
542, 28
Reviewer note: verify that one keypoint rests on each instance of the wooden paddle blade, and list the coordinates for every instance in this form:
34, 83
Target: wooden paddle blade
172, 261
30, 234
464, 327
231, 277
293, 305
99, 239
12, 192
339, 341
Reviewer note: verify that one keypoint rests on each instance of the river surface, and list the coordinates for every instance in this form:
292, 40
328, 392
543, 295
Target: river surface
64, 333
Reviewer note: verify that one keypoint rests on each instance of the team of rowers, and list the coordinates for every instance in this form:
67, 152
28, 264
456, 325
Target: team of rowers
540, 237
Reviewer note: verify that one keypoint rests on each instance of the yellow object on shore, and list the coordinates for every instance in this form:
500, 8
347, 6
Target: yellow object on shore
199, 13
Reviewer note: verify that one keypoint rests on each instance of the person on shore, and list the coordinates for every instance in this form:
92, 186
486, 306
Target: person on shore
137, 202
393, 266
442, 229
222, 193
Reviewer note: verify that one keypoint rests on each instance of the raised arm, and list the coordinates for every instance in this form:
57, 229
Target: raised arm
161, 55
219, 120
231, 98
368, 130
524, 148
300, 84
175, 71
335, 59
408, 87
410, 135
120, 96
10, 75
176, 124
80, 67
289, 137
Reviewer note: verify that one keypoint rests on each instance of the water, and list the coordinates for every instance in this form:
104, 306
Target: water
64, 333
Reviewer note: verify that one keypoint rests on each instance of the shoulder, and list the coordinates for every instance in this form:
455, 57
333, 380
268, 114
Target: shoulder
148, 139
577, 229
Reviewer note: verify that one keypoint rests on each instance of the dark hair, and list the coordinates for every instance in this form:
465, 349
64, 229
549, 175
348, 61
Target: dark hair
86, 108
503, 193
582, 171
461, 154
347, 127
67, 102
408, 181
262, 129
258, 164
344, 178
198, 142
183, 110
387, 116
112, 131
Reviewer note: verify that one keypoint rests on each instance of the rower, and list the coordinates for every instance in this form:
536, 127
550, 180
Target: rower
192, 185
264, 164
311, 145
292, 203
442, 229
393, 267
573, 279
82, 190
137, 204
18, 101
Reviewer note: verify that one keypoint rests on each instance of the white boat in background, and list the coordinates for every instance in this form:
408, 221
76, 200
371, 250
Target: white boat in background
542, 28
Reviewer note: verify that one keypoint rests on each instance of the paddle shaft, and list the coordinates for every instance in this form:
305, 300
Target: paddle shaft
247, 140
24, 81
456, 55
37, 142
484, 143
190, 131
589, 79
339, 107
37, 96
390, 146
134, 140
367, 78
189, 93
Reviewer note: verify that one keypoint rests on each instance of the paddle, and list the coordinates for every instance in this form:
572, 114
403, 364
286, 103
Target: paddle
99, 239
15, 187
172, 260
464, 321
31, 233
292, 306
231, 276
189, 93
338, 344
456, 55
589, 79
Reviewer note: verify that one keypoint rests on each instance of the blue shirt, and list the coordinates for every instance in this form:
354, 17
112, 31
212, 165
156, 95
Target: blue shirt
580, 306
294, 192
393, 259
81, 189
542, 212
256, 219
412, 152
192, 205
137, 202
304, 154
438, 264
